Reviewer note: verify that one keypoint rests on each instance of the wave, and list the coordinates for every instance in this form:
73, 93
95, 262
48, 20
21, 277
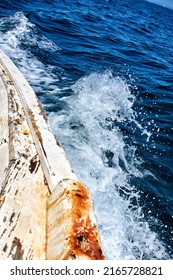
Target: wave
105, 162
21, 41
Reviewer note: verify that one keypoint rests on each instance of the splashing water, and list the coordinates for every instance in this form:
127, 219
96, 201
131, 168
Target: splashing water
19, 41
86, 123
100, 157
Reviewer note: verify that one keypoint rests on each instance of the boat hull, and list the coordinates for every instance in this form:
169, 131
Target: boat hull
45, 212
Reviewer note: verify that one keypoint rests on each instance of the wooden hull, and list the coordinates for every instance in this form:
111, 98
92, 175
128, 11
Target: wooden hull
45, 212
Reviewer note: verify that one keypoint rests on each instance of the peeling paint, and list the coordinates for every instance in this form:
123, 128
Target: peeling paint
34, 164
45, 213
18, 250
4, 219
23, 197
5, 248
11, 218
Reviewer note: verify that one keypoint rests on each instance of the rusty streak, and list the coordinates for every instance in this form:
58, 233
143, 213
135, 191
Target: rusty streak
42, 113
31, 115
82, 235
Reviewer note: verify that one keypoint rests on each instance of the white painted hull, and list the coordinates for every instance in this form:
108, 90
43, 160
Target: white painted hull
45, 213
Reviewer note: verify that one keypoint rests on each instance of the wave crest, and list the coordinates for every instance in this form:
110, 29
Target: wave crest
102, 159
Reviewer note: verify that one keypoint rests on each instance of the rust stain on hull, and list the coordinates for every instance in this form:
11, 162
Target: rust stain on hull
81, 234
37, 131
42, 214
84, 237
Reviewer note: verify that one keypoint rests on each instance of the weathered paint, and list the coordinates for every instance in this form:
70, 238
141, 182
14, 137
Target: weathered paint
24, 191
4, 137
45, 213
72, 227
52, 156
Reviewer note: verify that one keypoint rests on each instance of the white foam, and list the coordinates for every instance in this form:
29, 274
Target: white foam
93, 143
96, 148
18, 37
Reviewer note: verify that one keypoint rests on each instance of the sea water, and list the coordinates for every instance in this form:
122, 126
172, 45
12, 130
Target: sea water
103, 73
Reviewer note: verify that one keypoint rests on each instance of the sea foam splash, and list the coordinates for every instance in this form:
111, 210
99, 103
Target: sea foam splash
18, 39
101, 158
86, 126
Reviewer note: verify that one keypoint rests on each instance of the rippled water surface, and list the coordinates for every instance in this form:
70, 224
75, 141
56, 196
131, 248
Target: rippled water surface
103, 71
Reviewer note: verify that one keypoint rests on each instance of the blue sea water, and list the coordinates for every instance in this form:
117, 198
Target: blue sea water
103, 71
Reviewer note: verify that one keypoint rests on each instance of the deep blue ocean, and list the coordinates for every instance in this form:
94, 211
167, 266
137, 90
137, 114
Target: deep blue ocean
103, 71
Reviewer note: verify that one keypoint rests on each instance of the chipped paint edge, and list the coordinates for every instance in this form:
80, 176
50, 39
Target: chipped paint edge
53, 159
60, 179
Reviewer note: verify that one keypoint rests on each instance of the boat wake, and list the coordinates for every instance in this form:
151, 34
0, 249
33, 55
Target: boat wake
88, 130
86, 121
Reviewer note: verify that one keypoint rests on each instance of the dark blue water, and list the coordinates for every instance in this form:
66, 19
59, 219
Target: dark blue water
103, 71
